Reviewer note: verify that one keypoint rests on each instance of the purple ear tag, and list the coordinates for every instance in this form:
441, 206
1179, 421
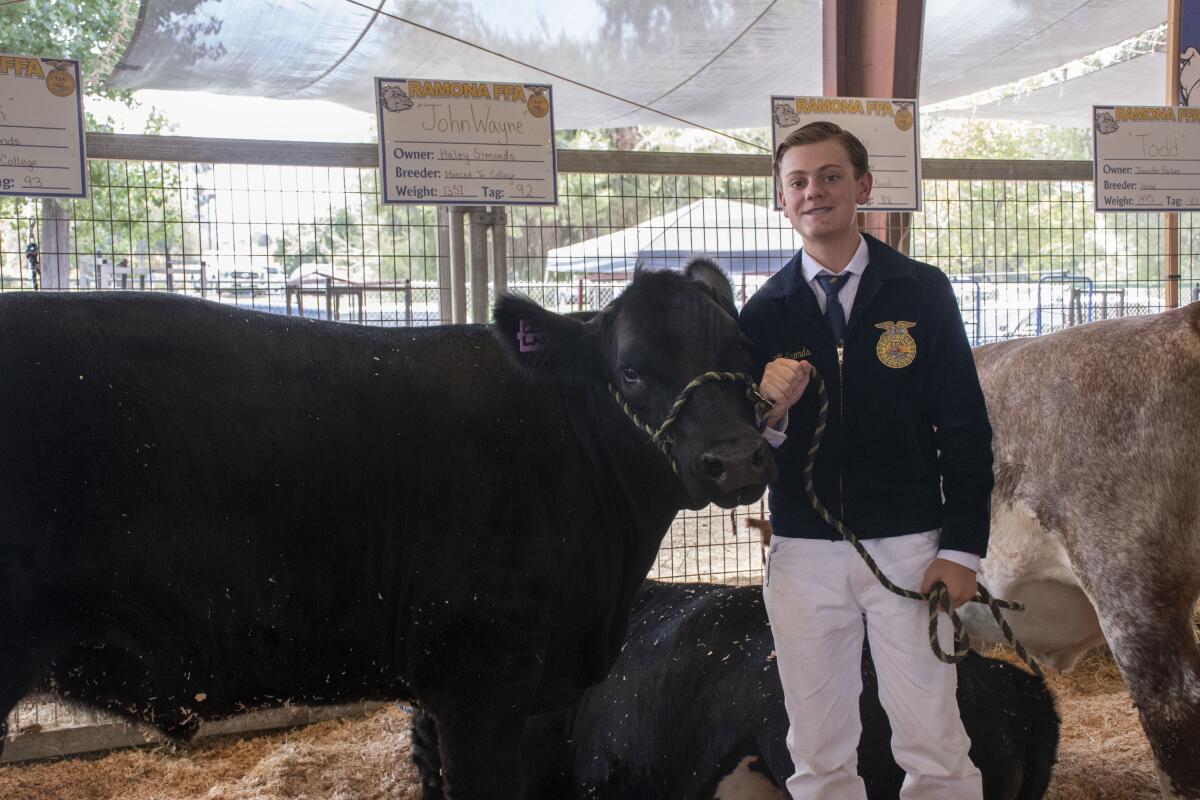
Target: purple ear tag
529, 338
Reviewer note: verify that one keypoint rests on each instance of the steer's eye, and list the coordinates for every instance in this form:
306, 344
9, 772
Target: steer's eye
630, 375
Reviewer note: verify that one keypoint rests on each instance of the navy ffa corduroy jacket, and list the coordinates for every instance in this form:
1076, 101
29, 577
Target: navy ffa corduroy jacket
908, 446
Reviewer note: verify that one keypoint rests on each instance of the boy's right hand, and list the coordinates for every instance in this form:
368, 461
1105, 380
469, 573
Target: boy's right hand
783, 382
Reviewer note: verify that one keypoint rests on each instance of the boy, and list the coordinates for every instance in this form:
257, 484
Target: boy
905, 463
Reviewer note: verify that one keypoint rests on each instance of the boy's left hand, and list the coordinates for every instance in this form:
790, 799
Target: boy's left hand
959, 580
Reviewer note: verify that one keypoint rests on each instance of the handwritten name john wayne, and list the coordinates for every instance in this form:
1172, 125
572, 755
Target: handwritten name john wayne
442, 120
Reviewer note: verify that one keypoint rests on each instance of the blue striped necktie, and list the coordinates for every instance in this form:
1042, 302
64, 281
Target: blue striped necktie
834, 313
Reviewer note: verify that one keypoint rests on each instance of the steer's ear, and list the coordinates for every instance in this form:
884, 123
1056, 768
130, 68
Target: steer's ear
706, 271
553, 346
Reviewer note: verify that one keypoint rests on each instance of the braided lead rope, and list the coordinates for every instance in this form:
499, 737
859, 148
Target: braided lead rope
939, 596
659, 436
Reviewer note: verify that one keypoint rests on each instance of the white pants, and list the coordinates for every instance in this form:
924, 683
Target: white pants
816, 592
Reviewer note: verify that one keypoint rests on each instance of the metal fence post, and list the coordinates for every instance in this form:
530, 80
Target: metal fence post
480, 219
499, 250
479, 265
458, 267
445, 302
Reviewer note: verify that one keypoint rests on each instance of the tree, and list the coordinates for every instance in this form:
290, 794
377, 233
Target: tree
1006, 139
127, 203
1019, 229
370, 242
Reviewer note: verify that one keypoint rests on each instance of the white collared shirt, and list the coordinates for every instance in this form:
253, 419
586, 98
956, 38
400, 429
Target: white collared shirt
853, 271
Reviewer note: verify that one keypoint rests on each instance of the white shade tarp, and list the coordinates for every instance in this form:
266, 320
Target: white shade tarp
712, 62
1140, 81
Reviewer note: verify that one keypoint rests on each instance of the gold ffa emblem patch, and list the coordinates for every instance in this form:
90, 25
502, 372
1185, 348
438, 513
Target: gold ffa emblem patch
896, 348
538, 104
59, 80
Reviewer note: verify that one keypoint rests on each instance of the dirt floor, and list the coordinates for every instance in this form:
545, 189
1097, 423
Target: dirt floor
712, 544
1103, 756
363, 759
1103, 753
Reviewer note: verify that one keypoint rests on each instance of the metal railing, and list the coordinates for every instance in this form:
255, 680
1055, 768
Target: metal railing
297, 228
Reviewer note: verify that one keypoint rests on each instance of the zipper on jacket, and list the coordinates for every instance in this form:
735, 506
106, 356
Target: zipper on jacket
841, 357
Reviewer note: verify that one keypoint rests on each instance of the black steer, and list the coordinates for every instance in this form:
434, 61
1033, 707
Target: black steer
204, 509
695, 699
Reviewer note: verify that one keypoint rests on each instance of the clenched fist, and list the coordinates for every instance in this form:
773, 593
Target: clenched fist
783, 382
960, 581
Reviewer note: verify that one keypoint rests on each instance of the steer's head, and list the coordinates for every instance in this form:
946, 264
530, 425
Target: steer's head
648, 345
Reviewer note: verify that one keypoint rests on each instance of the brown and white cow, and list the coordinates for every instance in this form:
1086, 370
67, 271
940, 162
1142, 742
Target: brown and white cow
1096, 511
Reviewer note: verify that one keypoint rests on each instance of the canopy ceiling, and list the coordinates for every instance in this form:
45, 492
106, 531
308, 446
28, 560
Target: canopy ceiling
1139, 81
712, 62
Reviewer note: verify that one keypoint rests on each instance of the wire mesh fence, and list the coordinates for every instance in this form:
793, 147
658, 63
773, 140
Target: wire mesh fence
1031, 257
43, 712
1026, 256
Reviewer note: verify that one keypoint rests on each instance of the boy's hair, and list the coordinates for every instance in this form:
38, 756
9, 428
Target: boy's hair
823, 131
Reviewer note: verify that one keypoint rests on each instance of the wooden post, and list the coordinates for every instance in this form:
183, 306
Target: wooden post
445, 283
479, 220
1171, 218
872, 48
499, 250
458, 267
55, 242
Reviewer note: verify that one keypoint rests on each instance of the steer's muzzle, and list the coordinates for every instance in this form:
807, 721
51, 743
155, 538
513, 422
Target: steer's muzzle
736, 472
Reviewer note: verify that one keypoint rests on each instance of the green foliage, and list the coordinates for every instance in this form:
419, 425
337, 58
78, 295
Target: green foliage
1031, 228
405, 239
593, 205
651, 138
1003, 139
372, 241
597, 204
1004, 228
316, 242
131, 208
93, 32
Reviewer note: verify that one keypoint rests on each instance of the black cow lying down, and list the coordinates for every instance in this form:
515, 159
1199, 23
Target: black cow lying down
204, 509
695, 698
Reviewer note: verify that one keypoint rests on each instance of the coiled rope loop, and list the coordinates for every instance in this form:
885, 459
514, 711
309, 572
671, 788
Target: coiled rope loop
938, 597
660, 436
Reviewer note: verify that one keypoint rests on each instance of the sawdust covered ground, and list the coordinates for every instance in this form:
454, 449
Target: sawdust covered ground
362, 759
1103, 756
1103, 753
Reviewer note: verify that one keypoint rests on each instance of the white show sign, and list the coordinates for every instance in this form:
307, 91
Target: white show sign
41, 128
886, 126
1146, 158
466, 142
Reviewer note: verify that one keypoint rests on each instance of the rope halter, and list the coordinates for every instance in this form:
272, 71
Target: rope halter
938, 597
660, 436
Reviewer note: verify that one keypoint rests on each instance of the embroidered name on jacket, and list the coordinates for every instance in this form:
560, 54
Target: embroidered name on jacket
896, 348
799, 355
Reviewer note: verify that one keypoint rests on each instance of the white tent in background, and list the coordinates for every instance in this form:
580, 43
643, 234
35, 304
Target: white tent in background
742, 237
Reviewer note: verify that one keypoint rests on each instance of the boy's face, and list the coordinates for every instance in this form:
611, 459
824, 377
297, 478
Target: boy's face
818, 191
